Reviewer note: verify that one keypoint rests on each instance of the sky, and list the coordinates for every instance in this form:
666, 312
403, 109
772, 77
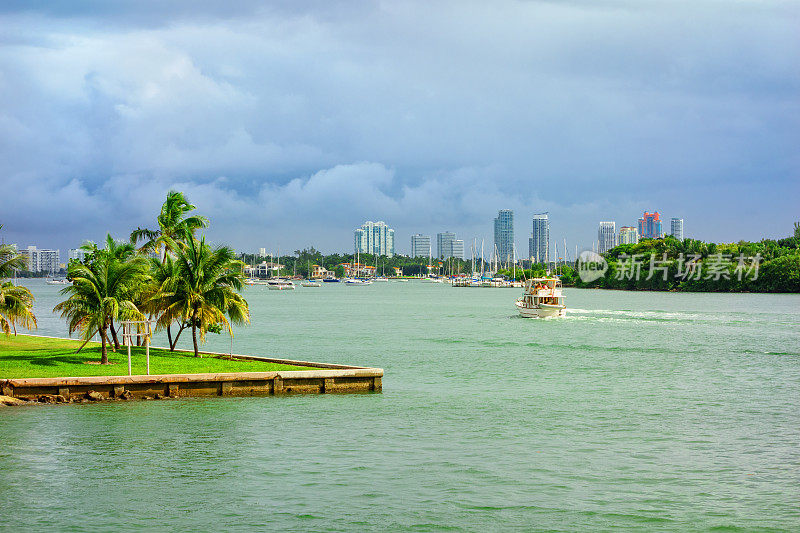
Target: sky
289, 124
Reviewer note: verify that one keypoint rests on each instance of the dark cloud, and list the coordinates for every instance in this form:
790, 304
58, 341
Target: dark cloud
294, 122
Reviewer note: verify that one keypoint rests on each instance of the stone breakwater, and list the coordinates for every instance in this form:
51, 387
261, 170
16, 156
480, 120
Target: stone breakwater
322, 379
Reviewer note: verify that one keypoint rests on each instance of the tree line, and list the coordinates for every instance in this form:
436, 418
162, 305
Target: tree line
693, 265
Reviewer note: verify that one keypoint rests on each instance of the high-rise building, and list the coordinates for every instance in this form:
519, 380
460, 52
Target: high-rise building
628, 235
539, 242
262, 252
650, 226
77, 254
41, 260
677, 228
444, 244
420, 245
504, 234
606, 236
374, 238
458, 249
448, 246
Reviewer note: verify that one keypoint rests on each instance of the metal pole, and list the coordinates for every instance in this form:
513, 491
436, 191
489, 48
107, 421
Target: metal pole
129, 349
147, 346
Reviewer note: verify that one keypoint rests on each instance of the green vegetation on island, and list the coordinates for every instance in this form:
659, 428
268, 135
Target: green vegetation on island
691, 265
25, 356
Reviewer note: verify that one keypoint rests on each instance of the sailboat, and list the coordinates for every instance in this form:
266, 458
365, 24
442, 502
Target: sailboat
56, 281
277, 283
382, 277
355, 280
310, 282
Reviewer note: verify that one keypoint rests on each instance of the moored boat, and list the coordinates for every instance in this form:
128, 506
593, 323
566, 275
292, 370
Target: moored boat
277, 284
357, 282
542, 298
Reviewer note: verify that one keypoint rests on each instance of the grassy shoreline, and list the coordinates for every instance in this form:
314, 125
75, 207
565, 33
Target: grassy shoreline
27, 356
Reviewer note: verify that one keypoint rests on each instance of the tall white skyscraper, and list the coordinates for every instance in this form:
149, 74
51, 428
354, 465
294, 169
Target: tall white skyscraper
677, 228
606, 236
504, 234
374, 238
539, 242
420, 245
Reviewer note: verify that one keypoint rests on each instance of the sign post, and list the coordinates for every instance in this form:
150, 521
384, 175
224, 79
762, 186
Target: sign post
128, 334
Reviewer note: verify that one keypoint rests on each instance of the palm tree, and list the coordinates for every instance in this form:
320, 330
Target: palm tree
120, 251
16, 308
103, 289
16, 303
10, 260
203, 293
160, 295
173, 225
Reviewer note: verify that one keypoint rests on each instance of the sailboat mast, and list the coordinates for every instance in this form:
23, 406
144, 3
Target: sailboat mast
514, 259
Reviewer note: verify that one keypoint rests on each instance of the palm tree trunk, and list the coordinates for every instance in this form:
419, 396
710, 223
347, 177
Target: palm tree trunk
169, 336
103, 349
194, 338
178, 336
114, 335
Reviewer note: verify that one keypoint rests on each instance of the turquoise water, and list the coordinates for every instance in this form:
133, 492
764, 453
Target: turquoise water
637, 411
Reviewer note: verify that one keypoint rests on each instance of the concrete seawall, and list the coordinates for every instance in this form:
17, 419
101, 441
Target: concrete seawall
323, 379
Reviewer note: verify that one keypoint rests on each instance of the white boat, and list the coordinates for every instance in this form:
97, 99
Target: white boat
309, 283
59, 281
277, 284
357, 281
381, 279
542, 298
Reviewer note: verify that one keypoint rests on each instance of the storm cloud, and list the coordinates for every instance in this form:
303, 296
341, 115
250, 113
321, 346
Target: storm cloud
290, 124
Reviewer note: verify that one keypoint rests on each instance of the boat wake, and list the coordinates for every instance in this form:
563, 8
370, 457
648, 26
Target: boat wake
635, 315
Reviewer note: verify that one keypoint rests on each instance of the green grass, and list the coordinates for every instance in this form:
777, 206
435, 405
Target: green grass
25, 356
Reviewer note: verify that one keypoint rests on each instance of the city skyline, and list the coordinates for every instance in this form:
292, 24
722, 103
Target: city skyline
429, 126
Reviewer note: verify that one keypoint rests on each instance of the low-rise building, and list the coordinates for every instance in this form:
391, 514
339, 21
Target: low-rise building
318, 272
358, 270
267, 269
